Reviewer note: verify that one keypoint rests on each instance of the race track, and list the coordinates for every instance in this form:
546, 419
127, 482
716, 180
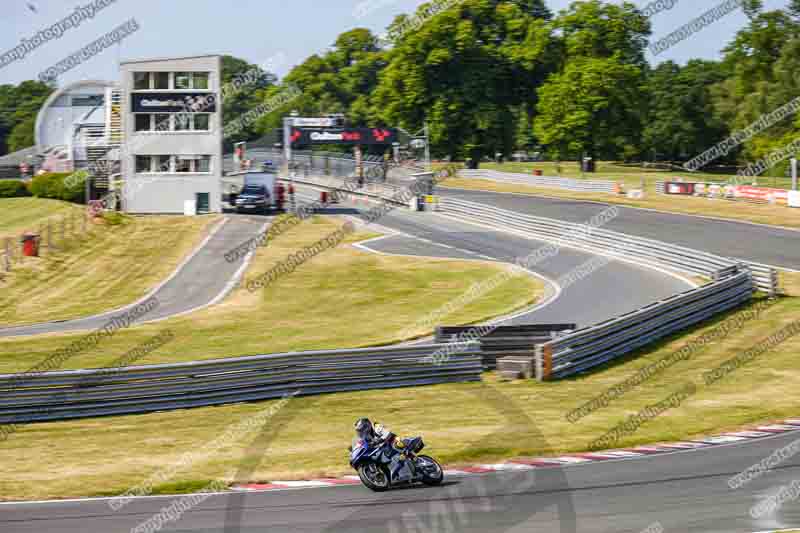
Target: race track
764, 244
685, 492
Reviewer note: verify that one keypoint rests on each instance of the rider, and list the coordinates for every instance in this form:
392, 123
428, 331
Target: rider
374, 433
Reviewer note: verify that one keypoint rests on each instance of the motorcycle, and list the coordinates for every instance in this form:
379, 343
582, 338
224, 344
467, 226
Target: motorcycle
381, 466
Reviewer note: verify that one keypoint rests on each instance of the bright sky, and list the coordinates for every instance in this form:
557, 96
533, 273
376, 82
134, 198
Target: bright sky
280, 33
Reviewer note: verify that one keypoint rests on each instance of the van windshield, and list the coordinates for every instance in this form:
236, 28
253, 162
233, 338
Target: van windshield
251, 189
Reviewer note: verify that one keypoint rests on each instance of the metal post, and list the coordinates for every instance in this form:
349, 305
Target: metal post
427, 148
359, 164
794, 173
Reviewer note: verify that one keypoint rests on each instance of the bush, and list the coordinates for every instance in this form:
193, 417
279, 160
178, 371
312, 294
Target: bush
13, 189
51, 185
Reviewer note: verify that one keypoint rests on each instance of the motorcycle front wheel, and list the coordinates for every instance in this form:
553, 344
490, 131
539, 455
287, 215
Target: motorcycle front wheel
432, 473
374, 477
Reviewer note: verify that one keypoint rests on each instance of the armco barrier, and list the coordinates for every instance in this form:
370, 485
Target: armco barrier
609, 340
596, 239
504, 341
550, 182
733, 283
145, 389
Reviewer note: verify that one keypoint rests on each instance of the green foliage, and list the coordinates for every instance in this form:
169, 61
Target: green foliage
244, 87
472, 72
13, 189
680, 121
19, 105
52, 185
595, 103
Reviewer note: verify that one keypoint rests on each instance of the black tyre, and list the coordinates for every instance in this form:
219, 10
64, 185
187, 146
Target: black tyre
374, 477
432, 472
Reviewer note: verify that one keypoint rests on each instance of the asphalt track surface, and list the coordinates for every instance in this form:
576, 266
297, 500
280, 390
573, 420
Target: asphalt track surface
684, 492
758, 243
612, 290
197, 283
615, 288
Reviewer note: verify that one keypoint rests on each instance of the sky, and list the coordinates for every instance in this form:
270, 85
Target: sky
275, 33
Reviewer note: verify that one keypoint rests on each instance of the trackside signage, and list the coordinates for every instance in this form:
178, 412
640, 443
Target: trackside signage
308, 136
173, 103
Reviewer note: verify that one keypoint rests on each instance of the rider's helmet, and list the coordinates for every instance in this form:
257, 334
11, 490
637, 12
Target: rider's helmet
364, 429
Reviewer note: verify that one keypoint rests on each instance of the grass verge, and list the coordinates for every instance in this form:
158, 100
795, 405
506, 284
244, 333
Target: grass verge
18, 215
344, 297
109, 266
632, 176
461, 423
761, 214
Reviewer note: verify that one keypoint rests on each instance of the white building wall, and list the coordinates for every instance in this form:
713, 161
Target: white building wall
167, 192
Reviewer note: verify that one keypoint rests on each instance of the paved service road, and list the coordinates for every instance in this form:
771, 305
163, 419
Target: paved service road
762, 244
197, 283
685, 492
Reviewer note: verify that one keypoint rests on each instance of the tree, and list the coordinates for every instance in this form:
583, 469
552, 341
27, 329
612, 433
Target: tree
470, 71
762, 70
596, 102
244, 85
590, 108
19, 106
680, 119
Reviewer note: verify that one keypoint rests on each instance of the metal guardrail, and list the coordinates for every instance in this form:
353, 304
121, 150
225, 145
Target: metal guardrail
643, 250
503, 341
733, 283
598, 344
551, 182
144, 389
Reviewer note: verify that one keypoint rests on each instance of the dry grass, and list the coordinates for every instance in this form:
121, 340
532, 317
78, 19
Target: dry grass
761, 214
105, 268
344, 297
632, 176
18, 215
790, 283
461, 422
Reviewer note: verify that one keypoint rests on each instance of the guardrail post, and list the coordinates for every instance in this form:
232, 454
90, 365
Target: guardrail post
775, 286
543, 361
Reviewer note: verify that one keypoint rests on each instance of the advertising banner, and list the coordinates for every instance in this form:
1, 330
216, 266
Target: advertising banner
173, 103
311, 136
780, 196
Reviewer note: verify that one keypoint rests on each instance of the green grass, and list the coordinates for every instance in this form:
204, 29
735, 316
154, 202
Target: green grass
461, 423
18, 215
632, 176
344, 297
109, 266
761, 214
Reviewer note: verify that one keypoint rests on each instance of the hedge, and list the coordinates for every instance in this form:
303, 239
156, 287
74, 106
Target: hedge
51, 185
13, 189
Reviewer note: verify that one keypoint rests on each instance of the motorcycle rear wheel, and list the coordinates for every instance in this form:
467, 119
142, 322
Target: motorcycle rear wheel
432, 472
374, 477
